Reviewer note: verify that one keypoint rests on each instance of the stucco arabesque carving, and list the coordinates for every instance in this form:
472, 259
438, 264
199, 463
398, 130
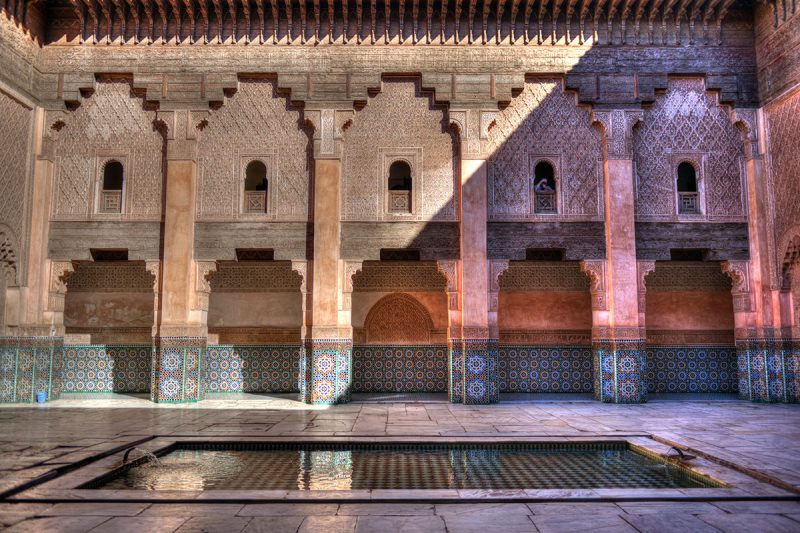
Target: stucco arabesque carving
739, 273
329, 125
472, 126
60, 271
203, 272
643, 269
746, 120
8, 258
618, 127
349, 269
449, 269
496, 269
596, 272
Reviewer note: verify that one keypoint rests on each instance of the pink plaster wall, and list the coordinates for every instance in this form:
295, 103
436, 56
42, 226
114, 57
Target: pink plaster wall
689, 311
545, 310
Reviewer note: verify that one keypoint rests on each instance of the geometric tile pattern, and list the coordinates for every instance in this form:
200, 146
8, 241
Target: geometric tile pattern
176, 369
684, 368
456, 365
29, 365
326, 370
619, 369
479, 372
252, 368
545, 369
107, 368
769, 370
399, 368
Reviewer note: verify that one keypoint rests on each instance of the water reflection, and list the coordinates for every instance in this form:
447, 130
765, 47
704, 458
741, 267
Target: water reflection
317, 468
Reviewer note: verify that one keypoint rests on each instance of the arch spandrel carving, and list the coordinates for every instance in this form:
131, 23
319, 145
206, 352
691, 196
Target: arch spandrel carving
398, 319
254, 123
688, 120
110, 123
531, 127
398, 121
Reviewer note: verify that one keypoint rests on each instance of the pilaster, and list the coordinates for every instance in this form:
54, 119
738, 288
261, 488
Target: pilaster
326, 368
473, 355
618, 337
180, 331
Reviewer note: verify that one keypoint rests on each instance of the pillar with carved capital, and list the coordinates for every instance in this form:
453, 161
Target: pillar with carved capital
31, 353
179, 338
474, 355
617, 331
767, 363
326, 371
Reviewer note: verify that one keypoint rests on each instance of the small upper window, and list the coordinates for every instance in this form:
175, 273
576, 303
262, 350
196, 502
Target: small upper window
544, 188
687, 189
400, 185
113, 178
256, 186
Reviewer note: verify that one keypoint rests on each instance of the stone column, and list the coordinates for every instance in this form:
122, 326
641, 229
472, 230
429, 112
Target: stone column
179, 336
474, 355
617, 334
328, 340
766, 362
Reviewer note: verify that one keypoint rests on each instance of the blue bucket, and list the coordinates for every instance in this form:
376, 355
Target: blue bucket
41, 397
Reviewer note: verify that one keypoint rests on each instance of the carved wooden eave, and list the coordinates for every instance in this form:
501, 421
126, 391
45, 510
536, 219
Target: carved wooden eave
501, 22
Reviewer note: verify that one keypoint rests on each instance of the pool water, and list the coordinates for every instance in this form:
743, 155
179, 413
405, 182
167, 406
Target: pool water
402, 466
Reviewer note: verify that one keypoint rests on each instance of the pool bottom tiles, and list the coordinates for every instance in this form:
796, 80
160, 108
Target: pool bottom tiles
321, 466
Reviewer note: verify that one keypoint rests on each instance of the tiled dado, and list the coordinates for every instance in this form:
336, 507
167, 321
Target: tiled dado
691, 369
106, 368
545, 369
400, 368
619, 370
769, 370
29, 365
251, 368
326, 369
473, 371
176, 369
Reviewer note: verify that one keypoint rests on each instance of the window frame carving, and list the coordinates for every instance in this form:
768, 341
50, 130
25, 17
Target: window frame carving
697, 160
555, 162
270, 161
103, 159
412, 156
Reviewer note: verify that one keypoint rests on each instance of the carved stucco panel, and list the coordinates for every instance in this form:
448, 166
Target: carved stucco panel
688, 120
15, 135
544, 119
110, 122
397, 119
783, 134
255, 123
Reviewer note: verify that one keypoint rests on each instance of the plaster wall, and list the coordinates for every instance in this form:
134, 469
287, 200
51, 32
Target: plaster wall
682, 310
545, 311
108, 310
246, 309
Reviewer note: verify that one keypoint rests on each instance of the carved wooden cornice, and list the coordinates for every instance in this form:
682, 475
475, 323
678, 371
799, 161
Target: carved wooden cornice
500, 22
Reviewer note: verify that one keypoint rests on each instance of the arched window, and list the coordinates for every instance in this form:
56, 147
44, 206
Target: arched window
400, 185
544, 188
687, 189
256, 187
113, 179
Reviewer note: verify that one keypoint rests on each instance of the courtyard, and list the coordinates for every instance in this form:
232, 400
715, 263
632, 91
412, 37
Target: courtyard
761, 440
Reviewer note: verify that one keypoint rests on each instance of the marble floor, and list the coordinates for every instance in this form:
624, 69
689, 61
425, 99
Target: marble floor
36, 440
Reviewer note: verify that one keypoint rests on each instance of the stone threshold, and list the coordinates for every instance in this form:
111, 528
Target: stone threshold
63, 487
